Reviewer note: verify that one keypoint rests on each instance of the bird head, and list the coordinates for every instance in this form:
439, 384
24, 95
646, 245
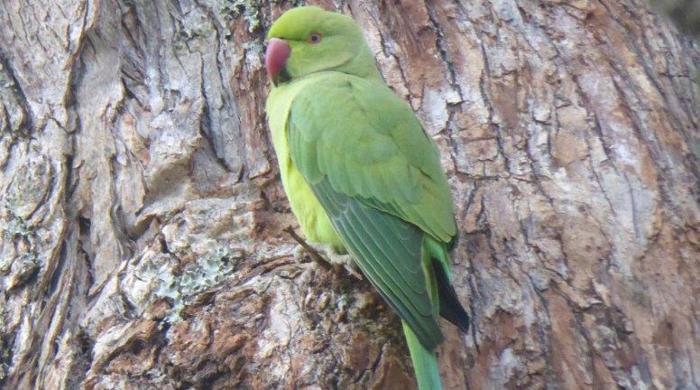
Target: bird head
307, 40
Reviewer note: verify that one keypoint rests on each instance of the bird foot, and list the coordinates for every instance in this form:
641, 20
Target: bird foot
326, 256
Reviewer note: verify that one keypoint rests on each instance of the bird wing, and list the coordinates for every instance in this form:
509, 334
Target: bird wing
378, 177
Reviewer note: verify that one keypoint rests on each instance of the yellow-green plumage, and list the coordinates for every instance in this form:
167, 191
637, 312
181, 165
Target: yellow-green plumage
311, 216
361, 174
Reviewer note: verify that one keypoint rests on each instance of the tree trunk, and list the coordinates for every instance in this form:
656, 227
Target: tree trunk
143, 219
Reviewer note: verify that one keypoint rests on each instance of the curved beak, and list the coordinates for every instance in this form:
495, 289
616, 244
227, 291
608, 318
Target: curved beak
276, 60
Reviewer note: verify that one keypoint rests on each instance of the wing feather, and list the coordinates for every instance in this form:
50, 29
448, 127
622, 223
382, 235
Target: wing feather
395, 269
369, 143
377, 175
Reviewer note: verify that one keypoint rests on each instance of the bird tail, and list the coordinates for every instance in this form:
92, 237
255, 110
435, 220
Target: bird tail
425, 364
450, 307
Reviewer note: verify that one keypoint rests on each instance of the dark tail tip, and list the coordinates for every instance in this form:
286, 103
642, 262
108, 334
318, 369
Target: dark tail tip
450, 307
454, 313
458, 317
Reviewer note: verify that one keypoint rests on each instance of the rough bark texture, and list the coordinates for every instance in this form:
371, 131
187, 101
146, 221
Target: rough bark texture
142, 216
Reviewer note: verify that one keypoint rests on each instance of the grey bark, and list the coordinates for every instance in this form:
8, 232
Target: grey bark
142, 216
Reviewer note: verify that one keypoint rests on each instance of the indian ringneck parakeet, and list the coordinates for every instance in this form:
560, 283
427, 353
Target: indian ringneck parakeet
361, 174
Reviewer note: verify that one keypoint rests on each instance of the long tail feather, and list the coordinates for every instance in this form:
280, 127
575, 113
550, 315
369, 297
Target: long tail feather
425, 364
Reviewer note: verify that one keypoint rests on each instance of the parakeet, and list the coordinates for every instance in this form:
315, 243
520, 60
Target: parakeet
361, 174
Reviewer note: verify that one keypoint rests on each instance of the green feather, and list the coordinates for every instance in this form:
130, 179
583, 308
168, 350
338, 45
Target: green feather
389, 252
425, 364
385, 195
360, 173
368, 143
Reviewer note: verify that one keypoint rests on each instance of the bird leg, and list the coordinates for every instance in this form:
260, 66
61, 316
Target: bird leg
331, 260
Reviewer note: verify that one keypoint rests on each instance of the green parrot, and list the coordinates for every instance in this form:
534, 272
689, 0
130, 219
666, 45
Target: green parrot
361, 174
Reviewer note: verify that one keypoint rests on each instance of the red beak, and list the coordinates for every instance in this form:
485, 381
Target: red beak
276, 58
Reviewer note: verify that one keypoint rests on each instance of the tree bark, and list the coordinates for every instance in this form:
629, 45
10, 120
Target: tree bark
142, 216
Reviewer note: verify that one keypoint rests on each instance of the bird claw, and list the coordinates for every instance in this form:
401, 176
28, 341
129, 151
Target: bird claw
331, 259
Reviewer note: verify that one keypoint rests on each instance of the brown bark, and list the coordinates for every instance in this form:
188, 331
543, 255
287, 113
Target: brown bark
142, 216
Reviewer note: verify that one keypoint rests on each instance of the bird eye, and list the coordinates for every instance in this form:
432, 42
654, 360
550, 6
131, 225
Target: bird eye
314, 38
